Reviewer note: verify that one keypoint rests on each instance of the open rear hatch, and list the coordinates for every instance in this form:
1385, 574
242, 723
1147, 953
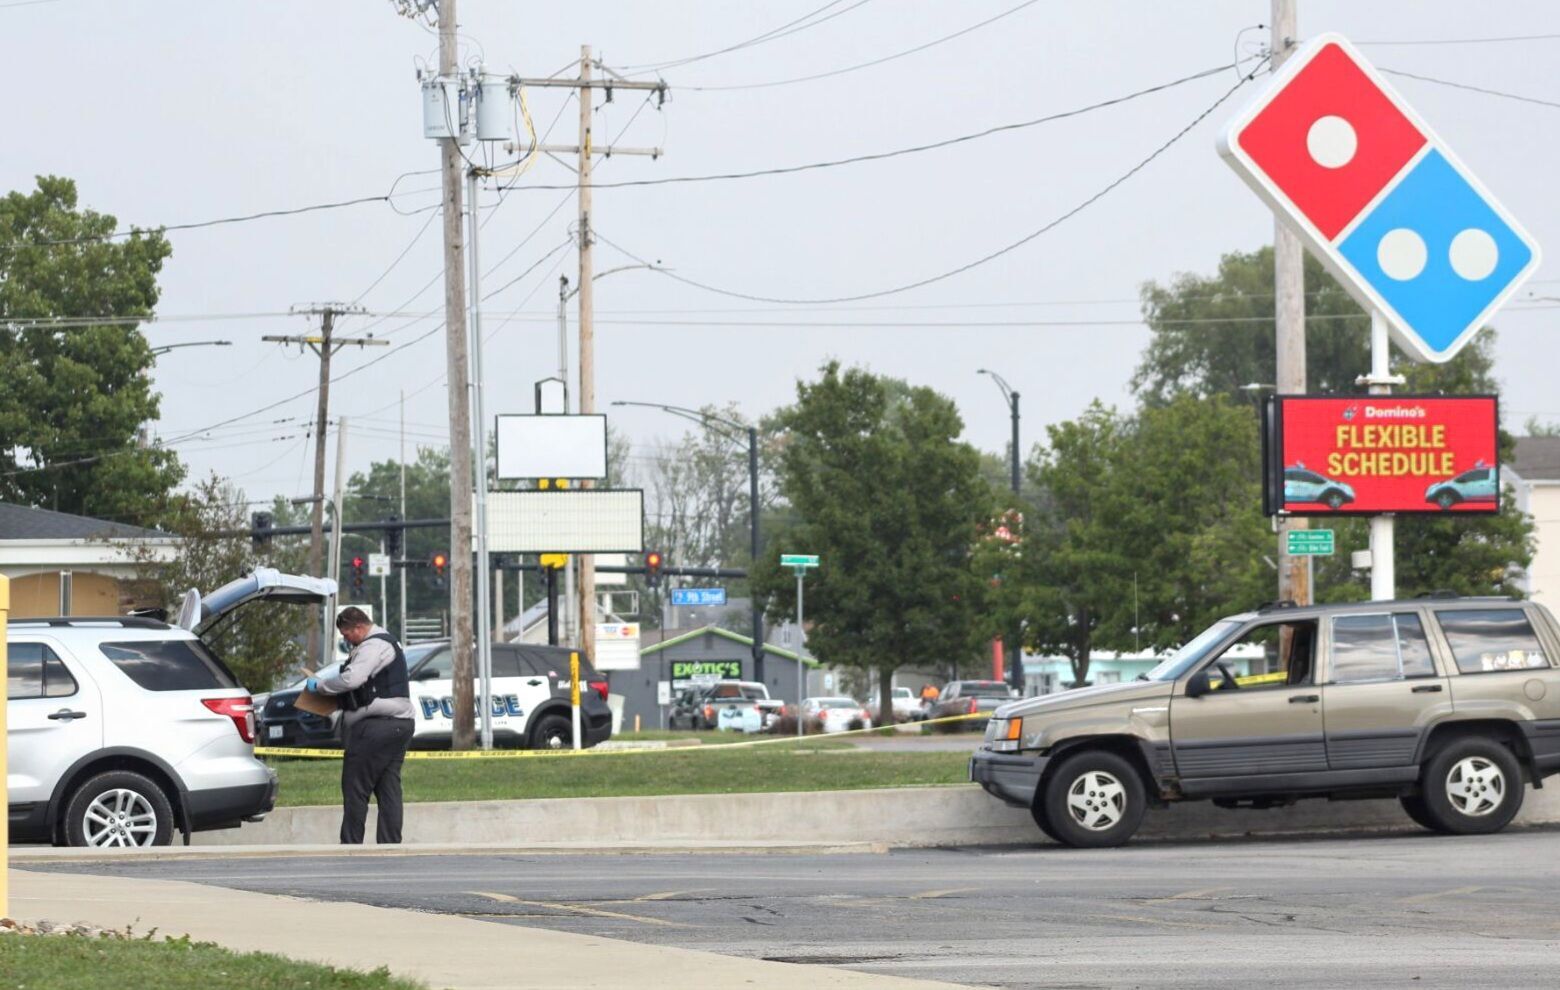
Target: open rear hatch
198, 612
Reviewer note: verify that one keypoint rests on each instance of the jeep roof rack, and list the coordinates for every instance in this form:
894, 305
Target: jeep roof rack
124, 621
1275, 605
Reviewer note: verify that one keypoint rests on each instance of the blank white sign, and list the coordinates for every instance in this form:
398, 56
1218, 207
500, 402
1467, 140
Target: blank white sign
576, 520
531, 447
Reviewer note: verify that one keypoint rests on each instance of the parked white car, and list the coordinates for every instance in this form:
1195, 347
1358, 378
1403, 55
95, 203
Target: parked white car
123, 730
835, 714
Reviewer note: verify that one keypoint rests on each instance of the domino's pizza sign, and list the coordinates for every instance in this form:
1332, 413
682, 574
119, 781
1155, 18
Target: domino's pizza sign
1388, 208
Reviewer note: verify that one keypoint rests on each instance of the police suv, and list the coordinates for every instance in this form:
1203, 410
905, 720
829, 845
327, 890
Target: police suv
530, 701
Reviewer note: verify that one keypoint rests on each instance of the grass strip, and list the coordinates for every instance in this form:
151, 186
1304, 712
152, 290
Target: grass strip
74, 962
808, 766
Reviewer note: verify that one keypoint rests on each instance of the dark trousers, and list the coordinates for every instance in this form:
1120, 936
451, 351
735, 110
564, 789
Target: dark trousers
372, 765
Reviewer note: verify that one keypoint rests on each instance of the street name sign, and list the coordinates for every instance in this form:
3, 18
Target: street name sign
698, 596
1379, 198
798, 560
1311, 543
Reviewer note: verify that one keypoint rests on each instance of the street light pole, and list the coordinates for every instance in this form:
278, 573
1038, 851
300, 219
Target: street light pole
1015, 673
754, 537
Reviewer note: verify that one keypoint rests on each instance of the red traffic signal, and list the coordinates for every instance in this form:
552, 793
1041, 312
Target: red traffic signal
357, 562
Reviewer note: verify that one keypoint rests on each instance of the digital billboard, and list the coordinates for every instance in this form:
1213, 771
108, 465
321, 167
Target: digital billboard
1368, 454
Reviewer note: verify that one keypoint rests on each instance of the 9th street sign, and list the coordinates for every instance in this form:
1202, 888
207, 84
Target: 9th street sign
1379, 198
1311, 543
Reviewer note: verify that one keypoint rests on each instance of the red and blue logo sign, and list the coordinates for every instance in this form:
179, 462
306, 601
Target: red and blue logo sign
1380, 198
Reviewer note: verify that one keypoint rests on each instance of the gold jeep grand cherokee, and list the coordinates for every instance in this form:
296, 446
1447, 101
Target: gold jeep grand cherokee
1451, 705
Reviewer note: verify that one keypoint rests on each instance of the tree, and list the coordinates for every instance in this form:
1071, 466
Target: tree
76, 398
887, 496
1213, 334
262, 641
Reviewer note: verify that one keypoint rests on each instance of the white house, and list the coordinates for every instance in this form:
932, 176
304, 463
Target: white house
61, 564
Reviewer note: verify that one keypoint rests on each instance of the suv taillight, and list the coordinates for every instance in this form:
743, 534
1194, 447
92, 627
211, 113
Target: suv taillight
973, 707
240, 710
600, 687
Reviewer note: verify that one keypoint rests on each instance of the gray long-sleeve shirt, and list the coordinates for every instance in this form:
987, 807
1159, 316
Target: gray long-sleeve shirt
367, 659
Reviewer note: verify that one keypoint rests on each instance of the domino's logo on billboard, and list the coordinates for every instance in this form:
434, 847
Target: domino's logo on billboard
1379, 198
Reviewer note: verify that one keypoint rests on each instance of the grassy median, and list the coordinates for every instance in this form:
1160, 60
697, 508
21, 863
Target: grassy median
73, 962
809, 765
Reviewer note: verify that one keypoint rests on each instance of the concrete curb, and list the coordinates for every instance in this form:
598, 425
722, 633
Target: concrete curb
34, 855
957, 815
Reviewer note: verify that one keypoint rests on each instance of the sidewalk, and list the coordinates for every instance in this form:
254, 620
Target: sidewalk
446, 952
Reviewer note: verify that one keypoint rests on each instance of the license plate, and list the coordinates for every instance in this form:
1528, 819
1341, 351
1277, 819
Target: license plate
273, 732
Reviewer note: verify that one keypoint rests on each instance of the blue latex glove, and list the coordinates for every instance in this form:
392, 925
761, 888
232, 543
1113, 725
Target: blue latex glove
312, 684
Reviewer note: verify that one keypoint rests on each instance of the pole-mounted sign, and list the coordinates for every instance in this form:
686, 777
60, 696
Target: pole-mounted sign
1379, 198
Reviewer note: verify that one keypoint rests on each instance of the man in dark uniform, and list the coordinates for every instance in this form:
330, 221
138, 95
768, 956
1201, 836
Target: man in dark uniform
376, 725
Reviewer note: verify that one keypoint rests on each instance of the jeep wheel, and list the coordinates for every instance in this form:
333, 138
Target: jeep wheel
1094, 799
118, 809
553, 732
1037, 811
1472, 787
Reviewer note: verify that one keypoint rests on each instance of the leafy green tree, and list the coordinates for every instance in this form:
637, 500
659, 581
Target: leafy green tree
374, 495
264, 640
890, 499
1214, 334
76, 398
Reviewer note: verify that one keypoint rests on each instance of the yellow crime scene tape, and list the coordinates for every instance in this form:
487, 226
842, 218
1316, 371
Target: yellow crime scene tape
526, 754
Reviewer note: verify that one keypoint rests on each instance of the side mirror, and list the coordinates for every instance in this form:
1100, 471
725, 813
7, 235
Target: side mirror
1197, 685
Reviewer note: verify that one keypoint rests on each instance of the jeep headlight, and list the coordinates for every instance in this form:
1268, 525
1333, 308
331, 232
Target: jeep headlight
1002, 734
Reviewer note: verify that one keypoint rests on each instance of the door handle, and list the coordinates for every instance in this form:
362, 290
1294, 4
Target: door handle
533, 683
1304, 699
1426, 688
66, 715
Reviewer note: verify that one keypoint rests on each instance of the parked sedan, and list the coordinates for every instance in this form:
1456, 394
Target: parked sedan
970, 698
834, 714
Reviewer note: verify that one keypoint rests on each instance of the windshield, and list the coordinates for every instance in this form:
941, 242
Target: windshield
1183, 659
985, 689
835, 703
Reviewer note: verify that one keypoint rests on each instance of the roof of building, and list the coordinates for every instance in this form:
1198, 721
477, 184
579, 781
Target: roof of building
747, 641
20, 522
1537, 458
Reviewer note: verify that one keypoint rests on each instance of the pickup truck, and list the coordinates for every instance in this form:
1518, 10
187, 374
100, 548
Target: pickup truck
744, 705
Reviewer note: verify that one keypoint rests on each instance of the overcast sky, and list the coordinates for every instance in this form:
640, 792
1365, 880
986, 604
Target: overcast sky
172, 112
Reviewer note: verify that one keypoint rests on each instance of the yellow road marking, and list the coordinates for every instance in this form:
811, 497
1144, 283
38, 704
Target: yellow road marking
1150, 921
576, 909
1188, 895
666, 895
1437, 894
928, 895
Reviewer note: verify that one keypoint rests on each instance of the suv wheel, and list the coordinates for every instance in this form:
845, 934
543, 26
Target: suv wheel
1472, 787
1094, 799
119, 808
1414, 807
553, 732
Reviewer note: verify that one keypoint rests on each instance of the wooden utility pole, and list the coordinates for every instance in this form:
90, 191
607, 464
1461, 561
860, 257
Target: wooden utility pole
1294, 573
586, 84
324, 345
463, 732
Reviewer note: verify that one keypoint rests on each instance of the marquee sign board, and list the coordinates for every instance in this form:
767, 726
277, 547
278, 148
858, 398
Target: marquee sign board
1379, 198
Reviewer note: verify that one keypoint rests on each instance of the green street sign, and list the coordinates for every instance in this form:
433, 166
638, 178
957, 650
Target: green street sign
798, 560
1311, 543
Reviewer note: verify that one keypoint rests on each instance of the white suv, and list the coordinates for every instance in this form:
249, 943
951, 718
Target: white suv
123, 729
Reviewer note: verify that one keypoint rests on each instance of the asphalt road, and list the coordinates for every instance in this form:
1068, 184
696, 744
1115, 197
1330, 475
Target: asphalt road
1384, 911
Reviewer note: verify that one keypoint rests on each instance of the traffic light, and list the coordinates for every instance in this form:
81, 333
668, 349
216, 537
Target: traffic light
440, 562
357, 576
393, 538
260, 529
653, 562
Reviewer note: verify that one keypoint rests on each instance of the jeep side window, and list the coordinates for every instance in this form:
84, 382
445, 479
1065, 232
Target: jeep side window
1491, 640
1379, 647
1269, 656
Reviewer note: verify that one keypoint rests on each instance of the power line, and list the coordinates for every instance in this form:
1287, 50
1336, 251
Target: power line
866, 65
912, 150
984, 259
1464, 41
789, 28
1472, 89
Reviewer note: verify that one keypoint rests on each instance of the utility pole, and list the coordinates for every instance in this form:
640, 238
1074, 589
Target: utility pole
324, 345
461, 625
586, 84
401, 571
1294, 573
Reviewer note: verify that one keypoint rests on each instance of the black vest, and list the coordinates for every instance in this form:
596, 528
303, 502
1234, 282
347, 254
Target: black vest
389, 682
